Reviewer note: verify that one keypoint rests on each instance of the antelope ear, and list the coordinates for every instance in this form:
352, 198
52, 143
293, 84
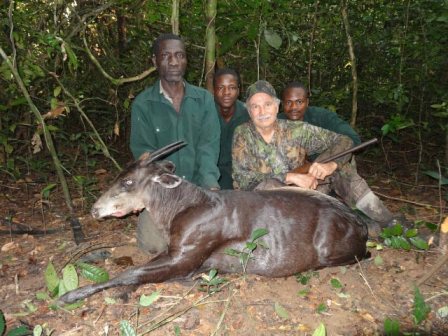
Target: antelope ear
168, 165
167, 180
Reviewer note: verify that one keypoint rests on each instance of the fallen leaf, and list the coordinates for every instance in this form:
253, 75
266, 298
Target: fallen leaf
9, 246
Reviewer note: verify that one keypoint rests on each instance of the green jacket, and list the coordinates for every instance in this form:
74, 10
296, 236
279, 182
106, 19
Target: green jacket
225, 154
318, 116
155, 123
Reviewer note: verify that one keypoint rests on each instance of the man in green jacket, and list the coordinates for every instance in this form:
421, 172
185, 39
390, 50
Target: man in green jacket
296, 107
172, 110
231, 113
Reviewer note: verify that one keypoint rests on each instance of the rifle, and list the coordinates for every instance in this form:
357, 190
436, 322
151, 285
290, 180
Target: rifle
303, 169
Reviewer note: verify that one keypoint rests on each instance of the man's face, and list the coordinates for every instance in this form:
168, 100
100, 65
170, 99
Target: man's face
295, 103
226, 90
263, 110
171, 60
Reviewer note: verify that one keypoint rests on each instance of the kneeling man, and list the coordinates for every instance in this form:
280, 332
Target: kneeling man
266, 148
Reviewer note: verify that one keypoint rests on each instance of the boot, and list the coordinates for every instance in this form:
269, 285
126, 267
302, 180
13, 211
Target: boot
373, 208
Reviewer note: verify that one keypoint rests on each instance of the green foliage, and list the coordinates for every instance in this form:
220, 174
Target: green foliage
46, 191
246, 254
435, 175
320, 330
305, 277
322, 308
397, 238
126, 329
420, 308
147, 300
16, 331
395, 124
58, 287
391, 327
281, 311
93, 273
211, 282
335, 283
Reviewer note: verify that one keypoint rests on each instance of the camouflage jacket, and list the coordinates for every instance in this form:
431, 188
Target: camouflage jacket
254, 160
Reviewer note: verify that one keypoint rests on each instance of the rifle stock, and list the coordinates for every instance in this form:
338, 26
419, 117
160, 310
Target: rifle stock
303, 169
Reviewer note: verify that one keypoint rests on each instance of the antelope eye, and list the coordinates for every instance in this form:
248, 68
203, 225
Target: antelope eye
127, 182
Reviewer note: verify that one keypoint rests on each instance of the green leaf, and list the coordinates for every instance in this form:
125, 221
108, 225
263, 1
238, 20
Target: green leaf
419, 243
396, 230
20, 331
335, 283
70, 277
37, 331
322, 308
61, 289
258, 233
51, 279
391, 327
75, 305
41, 296
176, 330
92, 272
46, 191
251, 246
53, 103
435, 175
421, 310
371, 244
2, 323
320, 330
110, 301
72, 59
57, 91
442, 312
378, 260
403, 243
232, 252
343, 295
281, 311
126, 329
303, 292
30, 306
146, 301
411, 233
272, 38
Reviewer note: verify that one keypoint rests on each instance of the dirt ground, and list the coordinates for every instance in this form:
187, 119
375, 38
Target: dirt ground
372, 290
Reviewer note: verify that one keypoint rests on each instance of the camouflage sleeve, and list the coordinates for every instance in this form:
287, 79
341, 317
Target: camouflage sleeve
245, 165
327, 143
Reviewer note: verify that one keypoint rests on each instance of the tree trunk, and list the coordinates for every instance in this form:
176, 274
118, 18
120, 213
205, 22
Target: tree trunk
351, 52
210, 42
175, 17
122, 36
310, 52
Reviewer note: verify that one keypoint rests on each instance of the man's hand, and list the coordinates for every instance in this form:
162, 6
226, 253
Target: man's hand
306, 181
322, 170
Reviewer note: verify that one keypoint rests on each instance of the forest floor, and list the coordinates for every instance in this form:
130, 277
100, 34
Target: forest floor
373, 290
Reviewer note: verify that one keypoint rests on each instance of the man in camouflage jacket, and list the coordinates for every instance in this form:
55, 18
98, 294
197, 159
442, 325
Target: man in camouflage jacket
267, 148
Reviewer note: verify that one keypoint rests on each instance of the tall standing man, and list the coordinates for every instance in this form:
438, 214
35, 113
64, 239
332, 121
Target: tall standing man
172, 110
231, 113
295, 101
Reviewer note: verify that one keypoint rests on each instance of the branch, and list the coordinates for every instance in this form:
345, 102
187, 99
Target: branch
84, 115
84, 18
115, 81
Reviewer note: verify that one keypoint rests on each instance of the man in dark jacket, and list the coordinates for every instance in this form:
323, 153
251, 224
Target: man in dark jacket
231, 113
172, 110
357, 193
